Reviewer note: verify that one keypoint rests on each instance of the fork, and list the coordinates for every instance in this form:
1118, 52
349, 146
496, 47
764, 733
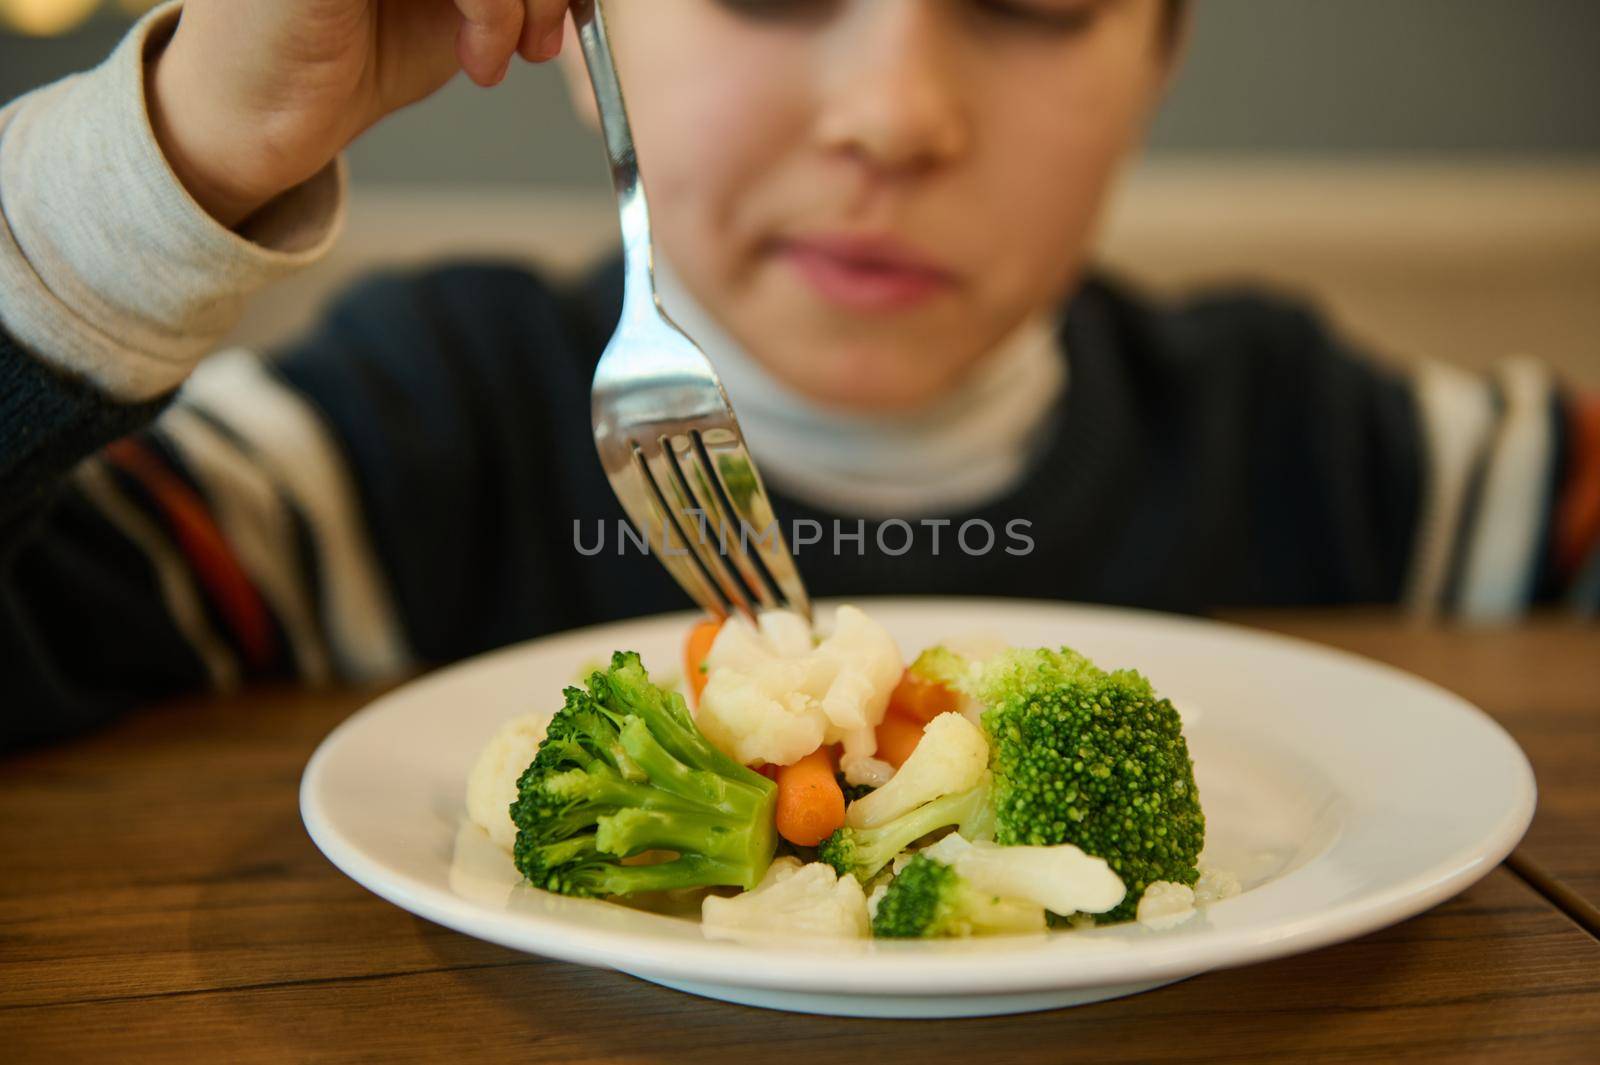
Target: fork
666, 433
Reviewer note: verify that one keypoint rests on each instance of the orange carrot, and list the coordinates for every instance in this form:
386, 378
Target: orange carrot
695, 650
897, 737
922, 700
810, 804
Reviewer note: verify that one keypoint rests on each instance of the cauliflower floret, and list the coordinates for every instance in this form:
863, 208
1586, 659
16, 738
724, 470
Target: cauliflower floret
492, 784
1060, 878
867, 666
1214, 885
792, 899
950, 758
1166, 905
771, 697
760, 716
863, 769
787, 633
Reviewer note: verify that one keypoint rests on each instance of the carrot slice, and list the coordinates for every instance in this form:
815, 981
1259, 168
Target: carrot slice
695, 650
810, 804
897, 736
922, 700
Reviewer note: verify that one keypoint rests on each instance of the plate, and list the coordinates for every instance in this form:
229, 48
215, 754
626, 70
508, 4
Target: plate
1344, 794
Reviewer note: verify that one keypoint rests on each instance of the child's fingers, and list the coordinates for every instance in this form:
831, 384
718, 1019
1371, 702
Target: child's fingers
542, 29
490, 31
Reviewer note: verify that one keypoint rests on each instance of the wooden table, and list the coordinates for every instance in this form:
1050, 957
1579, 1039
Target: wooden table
159, 901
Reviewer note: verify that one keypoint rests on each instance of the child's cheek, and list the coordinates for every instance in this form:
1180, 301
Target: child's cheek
712, 151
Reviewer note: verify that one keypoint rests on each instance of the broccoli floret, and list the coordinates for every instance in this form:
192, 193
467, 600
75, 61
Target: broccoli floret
930, 899
941, 665
623, 770
1094, 759
862, 852
1062, 878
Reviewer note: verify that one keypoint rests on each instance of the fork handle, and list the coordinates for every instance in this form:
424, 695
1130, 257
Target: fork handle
632, 207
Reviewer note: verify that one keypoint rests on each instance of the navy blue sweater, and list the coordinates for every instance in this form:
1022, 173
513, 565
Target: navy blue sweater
1226, 452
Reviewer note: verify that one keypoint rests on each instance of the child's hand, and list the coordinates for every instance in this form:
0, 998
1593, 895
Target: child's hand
252, 97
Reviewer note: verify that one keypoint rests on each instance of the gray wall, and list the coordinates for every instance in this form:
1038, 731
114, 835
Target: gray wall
1504, 79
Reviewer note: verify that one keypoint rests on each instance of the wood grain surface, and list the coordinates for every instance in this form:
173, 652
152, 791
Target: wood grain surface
160, 902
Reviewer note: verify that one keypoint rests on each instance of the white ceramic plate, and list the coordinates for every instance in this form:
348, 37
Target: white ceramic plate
1346, 796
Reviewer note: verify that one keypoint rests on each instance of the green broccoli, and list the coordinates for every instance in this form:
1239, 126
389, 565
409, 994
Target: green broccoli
943, 666
1090, 758
930, 899
623, 770
862, 852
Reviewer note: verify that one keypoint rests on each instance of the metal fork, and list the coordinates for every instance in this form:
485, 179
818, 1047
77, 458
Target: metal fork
666, 434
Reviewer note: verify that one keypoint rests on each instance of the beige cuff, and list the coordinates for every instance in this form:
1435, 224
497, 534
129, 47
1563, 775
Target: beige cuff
108, 267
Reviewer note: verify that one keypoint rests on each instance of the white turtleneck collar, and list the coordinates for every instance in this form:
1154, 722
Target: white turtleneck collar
966, 449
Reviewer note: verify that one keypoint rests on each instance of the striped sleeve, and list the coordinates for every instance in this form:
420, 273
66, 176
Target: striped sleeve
1576, 543
181, 595
242, 484
265, 431
1511, 511
222, 543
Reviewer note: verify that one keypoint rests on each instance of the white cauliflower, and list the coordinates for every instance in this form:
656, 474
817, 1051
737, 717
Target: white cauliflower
492, 784
1214, 885
1060, 878
771, 697
951, 757
792, 899
1166, 905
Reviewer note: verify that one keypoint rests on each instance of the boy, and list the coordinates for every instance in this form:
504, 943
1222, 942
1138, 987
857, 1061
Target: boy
873, 214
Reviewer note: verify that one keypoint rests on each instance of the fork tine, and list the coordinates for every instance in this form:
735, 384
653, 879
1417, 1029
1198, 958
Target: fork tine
687, 502
722, 450
703, 557
641, 498
695, 468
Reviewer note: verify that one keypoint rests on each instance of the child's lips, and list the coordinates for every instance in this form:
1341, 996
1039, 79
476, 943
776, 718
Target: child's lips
865, 273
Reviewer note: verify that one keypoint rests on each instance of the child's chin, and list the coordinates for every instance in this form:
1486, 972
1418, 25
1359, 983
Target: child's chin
868, 385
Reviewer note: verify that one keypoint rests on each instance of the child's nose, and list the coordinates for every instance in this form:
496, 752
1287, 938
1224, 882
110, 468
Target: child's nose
890, 89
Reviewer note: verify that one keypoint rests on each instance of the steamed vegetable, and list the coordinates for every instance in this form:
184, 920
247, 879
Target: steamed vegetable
793, 899
1165, 905
919, 698
773, 697
897, 737
1062, 878
623, 771
1086, 757
930, 899
810, 802
1035, 784
950, 758
695, 650
492, 784
852, 792
863, 852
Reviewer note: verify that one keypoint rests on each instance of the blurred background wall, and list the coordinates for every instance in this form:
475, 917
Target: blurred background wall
1427, 170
